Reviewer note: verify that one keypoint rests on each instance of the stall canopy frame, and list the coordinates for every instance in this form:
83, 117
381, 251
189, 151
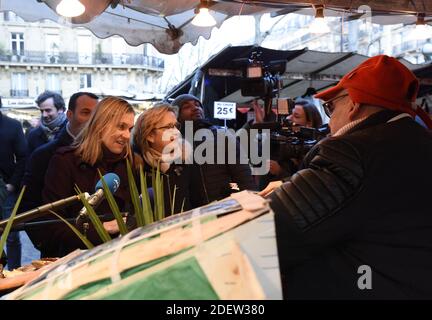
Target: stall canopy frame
167, 24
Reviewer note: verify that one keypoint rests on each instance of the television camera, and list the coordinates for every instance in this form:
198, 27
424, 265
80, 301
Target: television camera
295, 141
263, 80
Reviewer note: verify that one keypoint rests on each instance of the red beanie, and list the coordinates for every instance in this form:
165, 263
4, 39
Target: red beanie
380, 81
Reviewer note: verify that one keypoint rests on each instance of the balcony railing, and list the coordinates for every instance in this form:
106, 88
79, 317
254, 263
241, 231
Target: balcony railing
78, 58
129, 59
19, 93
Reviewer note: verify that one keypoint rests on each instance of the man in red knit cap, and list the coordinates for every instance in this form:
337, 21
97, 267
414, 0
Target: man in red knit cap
356, 223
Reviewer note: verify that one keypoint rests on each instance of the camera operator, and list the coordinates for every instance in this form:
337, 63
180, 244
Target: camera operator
287, 157
306, 115
288, 143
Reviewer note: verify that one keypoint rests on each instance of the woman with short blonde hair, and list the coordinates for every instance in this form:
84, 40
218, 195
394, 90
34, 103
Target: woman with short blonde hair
147, 122
158, 141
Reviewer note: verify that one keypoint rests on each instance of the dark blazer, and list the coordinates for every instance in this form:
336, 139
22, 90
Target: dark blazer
13, 151
216, 178
37, 165
182, 179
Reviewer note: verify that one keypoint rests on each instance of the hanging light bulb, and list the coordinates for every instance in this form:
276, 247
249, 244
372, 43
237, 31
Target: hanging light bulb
421, 30
203, 18
319, 25
70, 8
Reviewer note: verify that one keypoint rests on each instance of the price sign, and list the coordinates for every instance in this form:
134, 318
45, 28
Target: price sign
224, 110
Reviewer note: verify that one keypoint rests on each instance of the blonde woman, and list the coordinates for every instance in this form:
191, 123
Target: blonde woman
158, 141
104, 145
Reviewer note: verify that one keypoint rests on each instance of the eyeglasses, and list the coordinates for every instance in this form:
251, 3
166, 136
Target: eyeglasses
170, 126
329, 106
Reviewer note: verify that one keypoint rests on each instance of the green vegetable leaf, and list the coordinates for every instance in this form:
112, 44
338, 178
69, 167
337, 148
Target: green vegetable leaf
114, 207
135, 197
103, 234
87, 243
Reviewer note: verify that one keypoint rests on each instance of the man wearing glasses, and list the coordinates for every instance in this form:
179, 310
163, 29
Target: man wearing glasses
356, 223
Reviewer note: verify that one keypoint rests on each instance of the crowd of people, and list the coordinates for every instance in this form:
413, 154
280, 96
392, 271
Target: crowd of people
358, 198
72, 146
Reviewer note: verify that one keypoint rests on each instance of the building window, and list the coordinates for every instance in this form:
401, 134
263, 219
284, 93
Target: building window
85, 49
85, 80
53, 82
17, 43
52, 48
19, 85
148, 84
118, 51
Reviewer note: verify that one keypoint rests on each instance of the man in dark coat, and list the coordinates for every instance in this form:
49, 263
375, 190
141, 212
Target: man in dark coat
12, 162
53, 119
356, 223
215, 177
81, 106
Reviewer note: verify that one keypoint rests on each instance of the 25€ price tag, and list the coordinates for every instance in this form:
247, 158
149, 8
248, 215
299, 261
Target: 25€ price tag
224, 110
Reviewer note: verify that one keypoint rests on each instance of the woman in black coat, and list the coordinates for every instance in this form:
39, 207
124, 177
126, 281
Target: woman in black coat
104, 145
158, 141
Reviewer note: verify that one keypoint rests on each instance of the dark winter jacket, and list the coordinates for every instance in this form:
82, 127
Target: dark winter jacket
64, 172
361, 204
216, 178
181, 178
13, 151
37, 165
37, 137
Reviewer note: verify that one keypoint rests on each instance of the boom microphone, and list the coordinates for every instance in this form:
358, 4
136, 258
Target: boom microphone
112, 180
41, 211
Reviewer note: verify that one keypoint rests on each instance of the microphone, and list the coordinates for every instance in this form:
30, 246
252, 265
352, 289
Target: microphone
113, 183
